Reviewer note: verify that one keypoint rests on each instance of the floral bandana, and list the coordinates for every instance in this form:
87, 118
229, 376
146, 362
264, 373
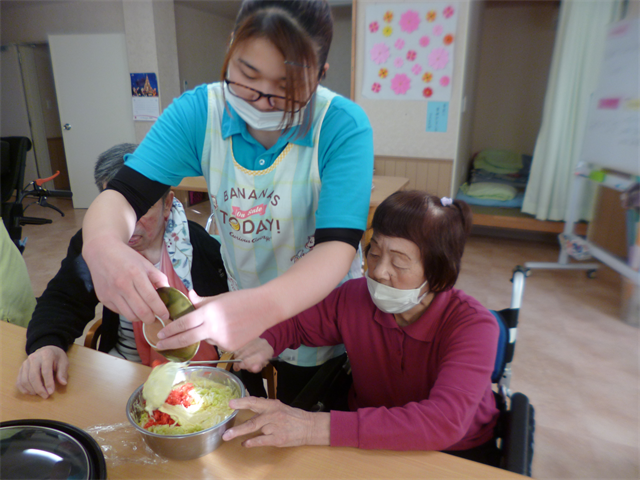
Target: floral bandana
179, 248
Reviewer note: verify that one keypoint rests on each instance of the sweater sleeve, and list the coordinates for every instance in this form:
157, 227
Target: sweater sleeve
453, 405
67, 305
315, 327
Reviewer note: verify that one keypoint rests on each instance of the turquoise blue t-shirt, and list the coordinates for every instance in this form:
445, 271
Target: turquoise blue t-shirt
173, 149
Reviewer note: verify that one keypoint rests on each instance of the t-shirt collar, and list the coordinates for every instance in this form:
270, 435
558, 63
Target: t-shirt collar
232, 124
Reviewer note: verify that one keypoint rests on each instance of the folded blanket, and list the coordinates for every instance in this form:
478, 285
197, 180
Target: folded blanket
513, 179
498, 161
515, 202
489, 191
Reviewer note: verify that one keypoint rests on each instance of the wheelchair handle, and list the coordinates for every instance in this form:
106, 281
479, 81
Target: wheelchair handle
42, 181
58, 194
519, 274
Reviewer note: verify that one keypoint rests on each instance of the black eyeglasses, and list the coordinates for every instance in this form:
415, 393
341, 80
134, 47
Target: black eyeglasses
252, 95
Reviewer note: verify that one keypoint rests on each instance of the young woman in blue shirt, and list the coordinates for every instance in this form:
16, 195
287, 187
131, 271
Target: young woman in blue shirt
288, 165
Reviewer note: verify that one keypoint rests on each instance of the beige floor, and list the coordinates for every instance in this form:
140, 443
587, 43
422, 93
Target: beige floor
575, 359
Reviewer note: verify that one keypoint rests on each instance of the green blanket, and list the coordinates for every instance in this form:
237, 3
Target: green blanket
498, 161
489, 191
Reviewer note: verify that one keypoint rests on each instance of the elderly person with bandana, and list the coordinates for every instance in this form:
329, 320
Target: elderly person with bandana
180, 249
421, 351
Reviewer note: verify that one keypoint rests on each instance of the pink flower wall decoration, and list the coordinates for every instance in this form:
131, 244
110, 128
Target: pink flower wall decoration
424, 41
416, 69
409, 21
411, 55
373, 27
398, 62
400, 84
375, 88
437, 30
448, 12
438, 58
379, 53
399, 44
444, 81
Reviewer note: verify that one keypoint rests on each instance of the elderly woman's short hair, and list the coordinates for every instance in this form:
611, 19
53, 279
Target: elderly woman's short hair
112, 160
439, 231
109, 162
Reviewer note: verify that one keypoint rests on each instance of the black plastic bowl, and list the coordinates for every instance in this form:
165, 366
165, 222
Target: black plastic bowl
38, 449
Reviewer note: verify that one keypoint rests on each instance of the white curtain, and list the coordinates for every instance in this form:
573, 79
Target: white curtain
577, 56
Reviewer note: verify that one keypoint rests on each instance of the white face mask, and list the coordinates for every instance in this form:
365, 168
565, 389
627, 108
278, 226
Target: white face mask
393, 300
268, 121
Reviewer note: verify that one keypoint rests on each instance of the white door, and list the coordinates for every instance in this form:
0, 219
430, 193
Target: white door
94, 99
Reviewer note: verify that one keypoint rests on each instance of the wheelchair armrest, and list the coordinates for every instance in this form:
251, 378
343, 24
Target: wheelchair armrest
518, 436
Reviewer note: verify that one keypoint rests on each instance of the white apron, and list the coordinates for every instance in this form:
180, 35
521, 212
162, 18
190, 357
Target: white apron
266, 218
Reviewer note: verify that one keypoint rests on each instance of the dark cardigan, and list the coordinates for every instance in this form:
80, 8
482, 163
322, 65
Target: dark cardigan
69, 302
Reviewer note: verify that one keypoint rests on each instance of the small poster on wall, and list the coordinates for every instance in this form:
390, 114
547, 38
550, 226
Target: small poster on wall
409, 51
144, 92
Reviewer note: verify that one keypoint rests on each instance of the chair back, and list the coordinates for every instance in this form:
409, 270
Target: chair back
14, 160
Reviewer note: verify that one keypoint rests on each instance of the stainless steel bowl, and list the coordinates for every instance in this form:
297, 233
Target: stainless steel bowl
193, 445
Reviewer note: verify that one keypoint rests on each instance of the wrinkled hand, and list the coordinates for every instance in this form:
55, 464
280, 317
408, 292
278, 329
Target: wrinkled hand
230, 321
125, 281
36, 373
255, 355
279, 424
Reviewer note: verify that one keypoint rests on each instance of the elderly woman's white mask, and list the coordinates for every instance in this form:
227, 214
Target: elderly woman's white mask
393, 300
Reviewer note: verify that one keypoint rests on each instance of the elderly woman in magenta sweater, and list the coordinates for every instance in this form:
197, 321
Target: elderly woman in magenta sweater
421, 351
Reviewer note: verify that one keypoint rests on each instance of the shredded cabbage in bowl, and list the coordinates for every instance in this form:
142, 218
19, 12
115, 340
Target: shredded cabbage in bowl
192, 406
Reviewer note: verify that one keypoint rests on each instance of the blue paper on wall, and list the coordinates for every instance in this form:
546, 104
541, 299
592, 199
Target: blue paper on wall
437, 116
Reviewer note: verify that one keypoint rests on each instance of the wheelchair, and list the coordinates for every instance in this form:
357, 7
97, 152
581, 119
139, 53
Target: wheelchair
13, 192
516, 425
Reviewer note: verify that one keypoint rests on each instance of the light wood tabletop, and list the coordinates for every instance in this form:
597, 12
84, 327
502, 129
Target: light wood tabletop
100, 385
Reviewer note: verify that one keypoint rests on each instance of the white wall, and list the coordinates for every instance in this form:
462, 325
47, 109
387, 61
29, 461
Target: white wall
28, 21
202, 39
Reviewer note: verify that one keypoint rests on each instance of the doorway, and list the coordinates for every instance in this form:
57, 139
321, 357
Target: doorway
30, 109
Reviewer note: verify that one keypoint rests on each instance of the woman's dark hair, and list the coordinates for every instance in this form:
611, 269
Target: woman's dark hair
439, 231
301, 30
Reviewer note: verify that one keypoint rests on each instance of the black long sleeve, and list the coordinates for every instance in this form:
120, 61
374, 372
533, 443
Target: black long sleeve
67, 304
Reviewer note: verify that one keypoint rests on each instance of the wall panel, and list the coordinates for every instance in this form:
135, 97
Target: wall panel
431, 175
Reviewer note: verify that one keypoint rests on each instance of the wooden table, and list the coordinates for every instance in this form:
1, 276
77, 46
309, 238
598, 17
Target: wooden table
97, 393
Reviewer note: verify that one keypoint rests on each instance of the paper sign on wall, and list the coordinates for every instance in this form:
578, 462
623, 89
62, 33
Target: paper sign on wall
144, 92
437, 116
409, 51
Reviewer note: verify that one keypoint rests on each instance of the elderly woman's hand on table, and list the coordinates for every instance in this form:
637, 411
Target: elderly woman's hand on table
36, 373
279, 425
